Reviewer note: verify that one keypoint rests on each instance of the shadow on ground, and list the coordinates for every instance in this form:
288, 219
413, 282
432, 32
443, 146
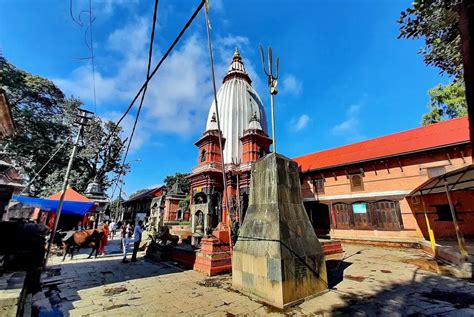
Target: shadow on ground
62, 281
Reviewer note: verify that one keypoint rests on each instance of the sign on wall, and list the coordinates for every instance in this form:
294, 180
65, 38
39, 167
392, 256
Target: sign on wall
359, 208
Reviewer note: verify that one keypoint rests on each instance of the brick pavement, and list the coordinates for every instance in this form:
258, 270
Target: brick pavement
370, 281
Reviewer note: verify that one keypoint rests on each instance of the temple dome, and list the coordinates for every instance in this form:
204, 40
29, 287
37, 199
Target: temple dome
238, 103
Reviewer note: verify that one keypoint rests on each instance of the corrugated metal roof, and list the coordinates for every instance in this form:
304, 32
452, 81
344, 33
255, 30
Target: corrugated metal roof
441, 134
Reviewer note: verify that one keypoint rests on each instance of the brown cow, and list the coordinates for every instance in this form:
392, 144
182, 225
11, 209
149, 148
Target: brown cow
83, 239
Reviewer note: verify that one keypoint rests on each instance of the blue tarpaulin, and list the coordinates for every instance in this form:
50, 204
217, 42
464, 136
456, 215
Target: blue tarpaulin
69, 207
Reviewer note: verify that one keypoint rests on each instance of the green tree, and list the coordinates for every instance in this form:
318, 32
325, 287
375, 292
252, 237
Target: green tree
436, 21
183, 182
446, 102
44, 120
184, 204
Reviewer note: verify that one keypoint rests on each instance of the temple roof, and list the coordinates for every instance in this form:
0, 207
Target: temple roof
433, 136
238, 103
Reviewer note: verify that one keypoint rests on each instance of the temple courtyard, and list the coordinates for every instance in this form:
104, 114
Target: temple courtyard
368, 281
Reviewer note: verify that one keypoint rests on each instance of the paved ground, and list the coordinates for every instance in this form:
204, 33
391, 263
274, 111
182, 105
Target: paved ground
368, 282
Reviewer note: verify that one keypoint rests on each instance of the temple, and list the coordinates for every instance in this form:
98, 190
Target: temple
245, 139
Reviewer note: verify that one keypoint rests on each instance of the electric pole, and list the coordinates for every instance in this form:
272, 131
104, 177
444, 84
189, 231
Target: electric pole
83, 117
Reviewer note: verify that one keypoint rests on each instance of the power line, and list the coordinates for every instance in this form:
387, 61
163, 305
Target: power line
150, 56
176, 40
44, 166
92, 54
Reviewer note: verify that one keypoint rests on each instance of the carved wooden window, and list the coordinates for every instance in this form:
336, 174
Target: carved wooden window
388, 215
318, 185
203, 155
357, 183
343, 215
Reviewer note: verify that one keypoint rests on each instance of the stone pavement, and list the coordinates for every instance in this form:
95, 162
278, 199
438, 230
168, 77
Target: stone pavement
370, 281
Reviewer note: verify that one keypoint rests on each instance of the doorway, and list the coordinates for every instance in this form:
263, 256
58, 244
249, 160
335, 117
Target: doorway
319, 217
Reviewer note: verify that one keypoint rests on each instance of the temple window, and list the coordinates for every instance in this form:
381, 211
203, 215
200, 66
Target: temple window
436, 171
357, 183
318, 185
261, 152
203, 155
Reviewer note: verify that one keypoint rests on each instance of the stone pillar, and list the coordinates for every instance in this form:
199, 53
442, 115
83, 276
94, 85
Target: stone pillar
277, 257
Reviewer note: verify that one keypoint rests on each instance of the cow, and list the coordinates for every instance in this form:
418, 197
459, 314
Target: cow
82, 239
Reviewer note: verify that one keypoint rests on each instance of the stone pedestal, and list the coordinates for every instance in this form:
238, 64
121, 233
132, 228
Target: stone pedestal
213, 258
277, 257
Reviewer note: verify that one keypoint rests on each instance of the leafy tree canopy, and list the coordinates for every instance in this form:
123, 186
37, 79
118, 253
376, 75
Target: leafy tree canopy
180, 178
446, 102
437, 22
44, 120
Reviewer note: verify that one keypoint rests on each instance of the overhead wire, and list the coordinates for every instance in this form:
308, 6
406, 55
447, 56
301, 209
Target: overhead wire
224, 179
92, 54
44, 166
150, 57
155, 69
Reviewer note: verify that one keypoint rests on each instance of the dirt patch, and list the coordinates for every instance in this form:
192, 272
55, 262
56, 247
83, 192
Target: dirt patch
219, 282
458, 299
114, 290
116, 306
355, 278
430, 266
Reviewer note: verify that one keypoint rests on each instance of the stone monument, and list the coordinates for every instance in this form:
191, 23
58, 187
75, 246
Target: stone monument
277, 257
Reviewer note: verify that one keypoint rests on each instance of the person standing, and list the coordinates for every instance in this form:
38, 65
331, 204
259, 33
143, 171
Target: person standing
113, 228
125, 240
137, 238
79, 226
105, 238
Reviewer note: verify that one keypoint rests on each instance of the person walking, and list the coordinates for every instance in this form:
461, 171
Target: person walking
137, 238
125, 240
105, 238
113, 228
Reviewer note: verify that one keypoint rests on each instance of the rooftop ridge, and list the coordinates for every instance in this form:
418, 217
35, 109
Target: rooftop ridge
378, 142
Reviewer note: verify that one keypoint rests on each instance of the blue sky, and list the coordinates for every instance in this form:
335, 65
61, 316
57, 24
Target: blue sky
344, 75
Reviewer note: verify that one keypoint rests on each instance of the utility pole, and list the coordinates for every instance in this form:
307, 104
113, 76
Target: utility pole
466, 27
272, 84
84, 116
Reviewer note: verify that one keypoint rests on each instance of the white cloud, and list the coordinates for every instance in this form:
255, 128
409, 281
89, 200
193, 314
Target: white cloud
350, 127
178, 97
298, 124
291, 85
302, 122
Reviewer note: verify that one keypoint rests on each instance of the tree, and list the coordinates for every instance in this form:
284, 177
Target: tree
437, 22
44, 120
446, 102
180, 178
184, 204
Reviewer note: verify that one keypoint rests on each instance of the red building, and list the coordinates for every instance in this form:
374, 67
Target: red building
360, 191
244, 133
159, 205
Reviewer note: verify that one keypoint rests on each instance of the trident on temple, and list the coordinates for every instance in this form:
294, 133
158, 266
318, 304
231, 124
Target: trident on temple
272, 84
